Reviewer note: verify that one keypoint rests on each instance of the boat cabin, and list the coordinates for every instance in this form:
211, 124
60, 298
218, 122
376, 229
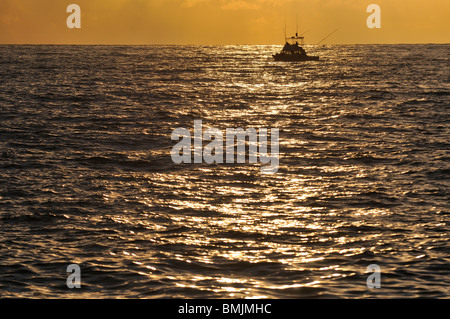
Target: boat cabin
292, 46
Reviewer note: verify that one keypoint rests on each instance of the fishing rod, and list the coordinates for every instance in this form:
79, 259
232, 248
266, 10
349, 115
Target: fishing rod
327, 36
304, 32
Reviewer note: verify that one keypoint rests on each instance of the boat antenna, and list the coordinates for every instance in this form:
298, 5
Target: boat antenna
327, 36
285, 28
296, 34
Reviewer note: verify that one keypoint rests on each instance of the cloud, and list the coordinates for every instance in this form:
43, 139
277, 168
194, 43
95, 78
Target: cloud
241, 5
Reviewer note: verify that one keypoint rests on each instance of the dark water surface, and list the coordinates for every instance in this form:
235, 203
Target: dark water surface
86, 175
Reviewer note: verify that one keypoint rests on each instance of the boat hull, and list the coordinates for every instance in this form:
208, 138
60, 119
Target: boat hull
294, 57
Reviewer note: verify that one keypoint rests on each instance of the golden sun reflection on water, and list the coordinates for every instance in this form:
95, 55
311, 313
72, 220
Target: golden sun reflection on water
362, 176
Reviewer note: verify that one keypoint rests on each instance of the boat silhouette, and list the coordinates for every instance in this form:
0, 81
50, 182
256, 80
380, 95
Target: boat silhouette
292, 51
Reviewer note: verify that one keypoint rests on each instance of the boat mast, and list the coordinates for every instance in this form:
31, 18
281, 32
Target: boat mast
302, 39
295, 38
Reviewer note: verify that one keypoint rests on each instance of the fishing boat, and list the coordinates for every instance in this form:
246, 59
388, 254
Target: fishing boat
292, 51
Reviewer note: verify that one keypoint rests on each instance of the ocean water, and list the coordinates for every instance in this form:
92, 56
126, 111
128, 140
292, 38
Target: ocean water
86, 175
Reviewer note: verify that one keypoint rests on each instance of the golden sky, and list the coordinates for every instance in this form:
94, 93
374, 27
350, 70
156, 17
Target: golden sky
222, 21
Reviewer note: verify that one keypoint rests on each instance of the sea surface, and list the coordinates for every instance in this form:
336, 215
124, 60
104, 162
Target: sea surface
86, 175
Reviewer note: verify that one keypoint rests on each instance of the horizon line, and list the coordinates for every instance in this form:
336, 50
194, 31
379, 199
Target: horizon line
203, 44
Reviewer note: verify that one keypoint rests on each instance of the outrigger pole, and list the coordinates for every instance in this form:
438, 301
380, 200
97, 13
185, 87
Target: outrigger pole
304, 32
327, 36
